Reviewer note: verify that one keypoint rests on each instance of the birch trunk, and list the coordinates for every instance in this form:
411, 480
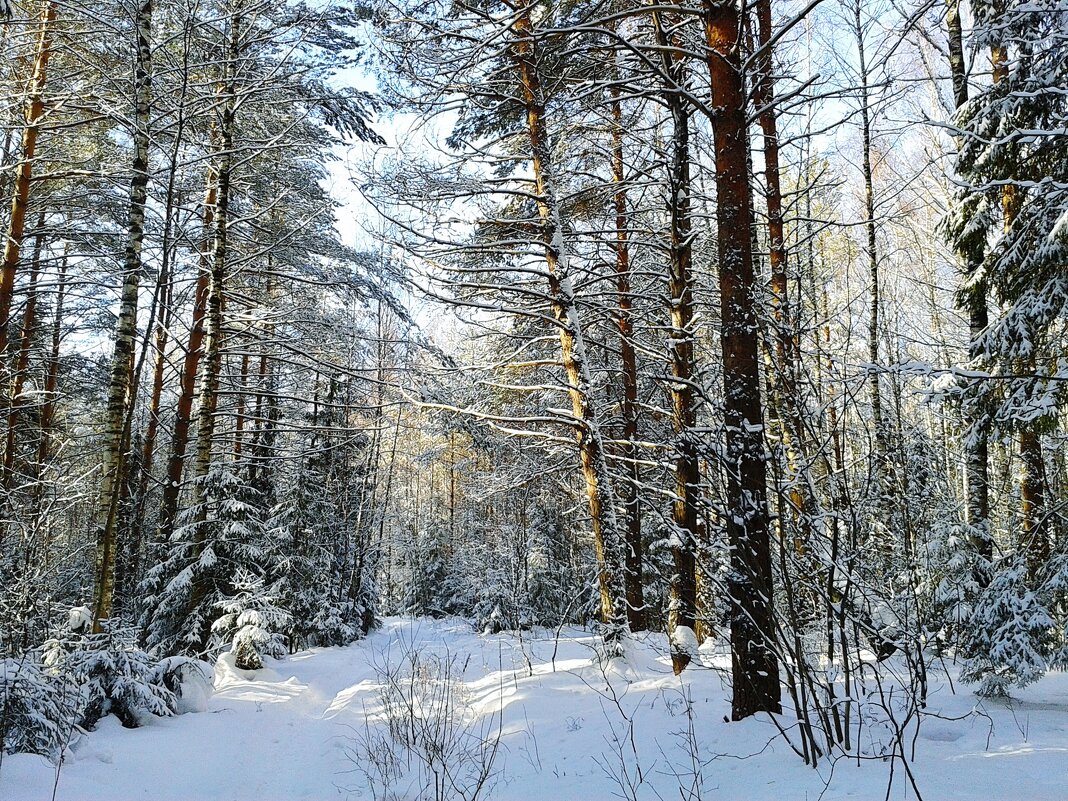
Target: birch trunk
874, 303
209, 385
121, 389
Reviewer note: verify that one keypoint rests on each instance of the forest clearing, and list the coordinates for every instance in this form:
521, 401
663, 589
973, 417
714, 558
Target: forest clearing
537, 717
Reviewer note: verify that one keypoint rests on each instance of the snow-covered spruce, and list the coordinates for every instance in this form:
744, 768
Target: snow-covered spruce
39, 707
113, 675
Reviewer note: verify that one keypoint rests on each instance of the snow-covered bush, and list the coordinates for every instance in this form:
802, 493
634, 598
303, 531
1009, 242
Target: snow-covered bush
114, 675
25, 608
1012, 634
76, 678
191, 681
39, 708
430, 738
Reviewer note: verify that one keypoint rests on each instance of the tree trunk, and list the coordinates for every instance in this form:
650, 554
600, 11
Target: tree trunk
977, 482
1032, 496
586, 423
21, 194
633, 553
239, 423
263, 420
162, 334
213, 355
22, 362
754, 664
209, 385
685, 512
48, 406
874, 304
183, 413
784, 382
121, 390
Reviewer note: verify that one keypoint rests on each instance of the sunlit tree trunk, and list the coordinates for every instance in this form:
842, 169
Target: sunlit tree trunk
213, 317
194, 351
210, 376
121, 389
784, 382
754, 663
587, 422
23, 172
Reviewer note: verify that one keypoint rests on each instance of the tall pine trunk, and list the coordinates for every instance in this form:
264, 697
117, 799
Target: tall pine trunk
587, 422
633, 554
754, 665
20, 196
784, 399
213, 318
194, 351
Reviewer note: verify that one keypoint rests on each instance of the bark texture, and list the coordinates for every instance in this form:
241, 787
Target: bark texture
586, 421
121, 387
685, 512
20, 196
754, 664
633, 554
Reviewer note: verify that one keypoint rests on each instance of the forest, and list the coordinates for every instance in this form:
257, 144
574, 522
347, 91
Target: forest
702, 362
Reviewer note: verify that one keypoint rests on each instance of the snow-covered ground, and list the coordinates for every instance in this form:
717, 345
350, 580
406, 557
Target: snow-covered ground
551, 724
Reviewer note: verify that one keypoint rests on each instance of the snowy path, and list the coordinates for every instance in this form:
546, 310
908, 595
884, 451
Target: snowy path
288, 733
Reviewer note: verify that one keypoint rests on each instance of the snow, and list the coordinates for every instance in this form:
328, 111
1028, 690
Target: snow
191, 682
80, 618
685, 641
565, 722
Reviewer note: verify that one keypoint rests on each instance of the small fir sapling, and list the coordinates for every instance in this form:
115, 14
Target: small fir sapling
253, 623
